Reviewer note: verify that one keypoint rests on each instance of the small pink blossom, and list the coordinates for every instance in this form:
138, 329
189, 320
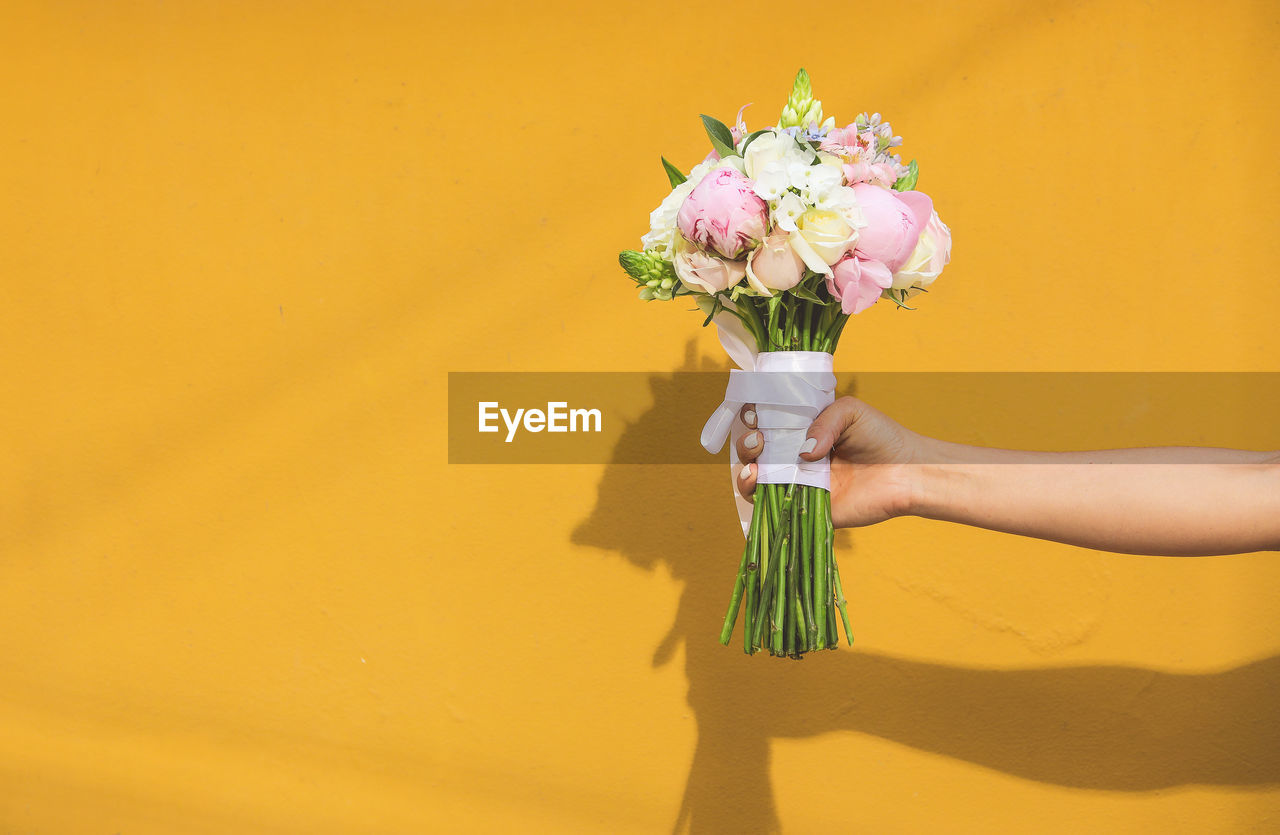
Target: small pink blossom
858, 282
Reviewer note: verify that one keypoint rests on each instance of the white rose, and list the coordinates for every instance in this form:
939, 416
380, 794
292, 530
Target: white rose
773, 147
662, 220
764, 149
932, 253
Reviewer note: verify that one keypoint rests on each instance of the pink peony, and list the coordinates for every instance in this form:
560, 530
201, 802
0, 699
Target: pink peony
857, 283
723, 214
704, 273
894, 221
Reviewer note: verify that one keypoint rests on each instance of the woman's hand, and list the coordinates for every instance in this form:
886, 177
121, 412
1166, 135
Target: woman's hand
1152, 500
871, 461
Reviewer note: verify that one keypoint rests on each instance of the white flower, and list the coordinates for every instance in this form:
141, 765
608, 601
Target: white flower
828, 235
932, 253
661, 237
772, 182
819, 181
788, 210
764, 149
772, 147
843, 200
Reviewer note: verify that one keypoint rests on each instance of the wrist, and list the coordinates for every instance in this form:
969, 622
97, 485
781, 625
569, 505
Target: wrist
931, 490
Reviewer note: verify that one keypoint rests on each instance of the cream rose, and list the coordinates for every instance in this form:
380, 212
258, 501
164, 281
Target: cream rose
932, 253
826, 234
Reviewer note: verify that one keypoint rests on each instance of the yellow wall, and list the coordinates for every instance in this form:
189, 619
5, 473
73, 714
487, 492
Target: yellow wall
241, 590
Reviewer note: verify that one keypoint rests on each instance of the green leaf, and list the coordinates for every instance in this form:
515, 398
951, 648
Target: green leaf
909, 181
673, 173
901, 303
715, 308
802, 292
720, 135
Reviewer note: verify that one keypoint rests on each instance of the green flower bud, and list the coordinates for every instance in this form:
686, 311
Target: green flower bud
801, 109
801, 91
646, 294
635, 263
812, 116
646, 268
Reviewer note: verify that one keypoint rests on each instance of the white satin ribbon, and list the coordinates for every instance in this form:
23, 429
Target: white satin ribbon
789, 389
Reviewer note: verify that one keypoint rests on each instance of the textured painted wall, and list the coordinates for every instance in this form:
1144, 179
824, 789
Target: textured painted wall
241, 589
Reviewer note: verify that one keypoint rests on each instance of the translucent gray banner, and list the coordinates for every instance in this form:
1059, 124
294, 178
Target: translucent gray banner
656, 418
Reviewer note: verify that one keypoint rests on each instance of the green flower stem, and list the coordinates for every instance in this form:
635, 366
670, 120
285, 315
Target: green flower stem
780, 587
806, 567
764, 615
840, 602
735, 600
780, 596
788, 582
793, 588
821, 557
761, 548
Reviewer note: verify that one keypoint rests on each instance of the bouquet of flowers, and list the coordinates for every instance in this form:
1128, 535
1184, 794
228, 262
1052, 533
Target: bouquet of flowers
780, 235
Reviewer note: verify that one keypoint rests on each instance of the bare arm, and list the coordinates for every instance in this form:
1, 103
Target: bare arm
1173, 501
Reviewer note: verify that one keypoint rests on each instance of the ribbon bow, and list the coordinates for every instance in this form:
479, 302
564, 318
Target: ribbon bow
789, 389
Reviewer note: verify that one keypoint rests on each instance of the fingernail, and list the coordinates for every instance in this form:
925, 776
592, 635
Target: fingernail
745, 473
809, 445
752, 441
748, 417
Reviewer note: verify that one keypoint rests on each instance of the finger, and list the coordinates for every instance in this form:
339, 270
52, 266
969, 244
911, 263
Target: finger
749, 446
827, 427
747, 481
748, 415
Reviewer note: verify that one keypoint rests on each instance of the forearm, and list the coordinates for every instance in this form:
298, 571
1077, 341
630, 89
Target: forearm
1168, 501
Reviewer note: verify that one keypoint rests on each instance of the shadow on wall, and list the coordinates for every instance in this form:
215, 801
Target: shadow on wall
1113, 728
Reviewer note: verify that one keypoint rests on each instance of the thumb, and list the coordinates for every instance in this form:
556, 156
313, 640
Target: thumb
827, 427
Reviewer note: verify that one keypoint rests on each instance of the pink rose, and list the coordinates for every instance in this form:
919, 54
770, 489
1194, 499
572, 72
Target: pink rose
775, 265
703, 272
894, 221
857, 283
723, 214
